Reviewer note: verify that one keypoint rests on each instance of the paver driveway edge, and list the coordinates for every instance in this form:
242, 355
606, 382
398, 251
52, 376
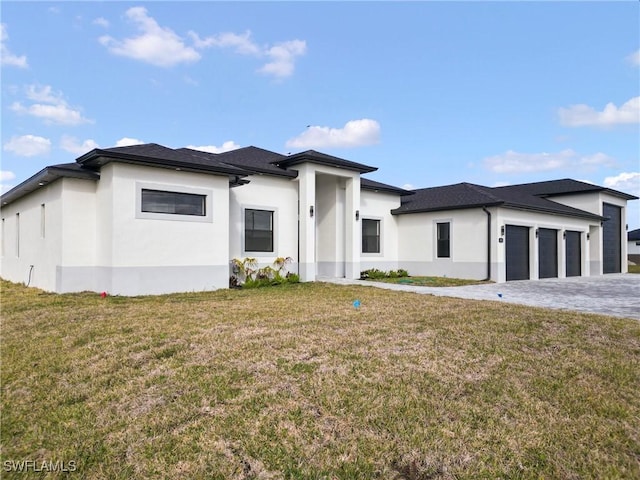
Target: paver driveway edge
612, 294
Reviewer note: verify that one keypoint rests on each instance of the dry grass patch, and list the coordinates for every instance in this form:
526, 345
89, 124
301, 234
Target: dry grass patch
293, 382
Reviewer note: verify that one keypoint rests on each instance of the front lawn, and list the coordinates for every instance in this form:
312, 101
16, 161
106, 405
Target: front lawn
294, 382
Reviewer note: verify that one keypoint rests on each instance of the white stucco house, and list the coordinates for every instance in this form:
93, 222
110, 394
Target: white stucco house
148, 219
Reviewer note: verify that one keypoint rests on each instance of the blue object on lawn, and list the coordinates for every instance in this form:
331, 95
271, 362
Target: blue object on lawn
356, 304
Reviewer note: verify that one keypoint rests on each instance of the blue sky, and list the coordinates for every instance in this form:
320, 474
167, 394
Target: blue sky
431, 93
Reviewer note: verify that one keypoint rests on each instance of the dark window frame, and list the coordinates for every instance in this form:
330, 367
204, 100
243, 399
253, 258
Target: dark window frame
254, 237
443, 239
371, 242
172, 204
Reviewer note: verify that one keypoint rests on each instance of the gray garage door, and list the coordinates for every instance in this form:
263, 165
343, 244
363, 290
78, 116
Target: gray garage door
517, 252
611, 238
547, 253
573, 254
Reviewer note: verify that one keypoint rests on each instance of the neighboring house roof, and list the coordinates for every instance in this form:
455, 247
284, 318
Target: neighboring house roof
468, 195
156, 155
633, 235
312, 156
374, 186
45, 177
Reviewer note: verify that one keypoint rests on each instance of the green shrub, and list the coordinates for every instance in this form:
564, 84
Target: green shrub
374, 273
247, 275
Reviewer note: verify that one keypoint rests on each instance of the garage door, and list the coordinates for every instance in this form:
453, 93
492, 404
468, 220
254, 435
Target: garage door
611, 238
547, 253
573, 254
517, 252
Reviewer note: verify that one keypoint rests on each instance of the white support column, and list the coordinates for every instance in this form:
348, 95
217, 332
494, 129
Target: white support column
353, 228
307, 235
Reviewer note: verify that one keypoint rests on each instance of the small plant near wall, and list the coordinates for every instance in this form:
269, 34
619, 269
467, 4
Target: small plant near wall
375, 274
246, 273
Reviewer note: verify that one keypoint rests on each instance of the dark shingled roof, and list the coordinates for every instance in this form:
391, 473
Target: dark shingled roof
323, 159
256, 160
565, 186
367, 184
468, 195
634, 235
159, 156
449, 197
46, 176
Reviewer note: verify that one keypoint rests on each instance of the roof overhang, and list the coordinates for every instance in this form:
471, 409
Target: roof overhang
324, 160
45, 177
97, 158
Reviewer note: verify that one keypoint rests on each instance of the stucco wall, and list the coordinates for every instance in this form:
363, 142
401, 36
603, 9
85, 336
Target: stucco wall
417, 242
378, 206
166, 253
468, 245
266, 192
44, 253
593, 202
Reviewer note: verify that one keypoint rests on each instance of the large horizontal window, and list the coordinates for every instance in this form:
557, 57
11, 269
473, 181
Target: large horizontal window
370, 236
258, 230
176, 203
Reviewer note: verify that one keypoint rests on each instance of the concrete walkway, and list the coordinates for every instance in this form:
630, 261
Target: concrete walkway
613, 294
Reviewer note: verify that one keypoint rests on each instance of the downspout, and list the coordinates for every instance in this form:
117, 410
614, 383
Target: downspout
484, 209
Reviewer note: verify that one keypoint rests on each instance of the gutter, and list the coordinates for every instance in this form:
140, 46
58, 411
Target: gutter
484, 209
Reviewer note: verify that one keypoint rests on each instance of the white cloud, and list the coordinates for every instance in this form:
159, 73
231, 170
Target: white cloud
514, 162
51, 107
634, 58
282, 57
101, 21
156, 45
500, 184
127, 142
240, 43
71, 144
6, 175
355, 133
28, 145
226, 147
6, 57
628, 182
584, 115
162, 47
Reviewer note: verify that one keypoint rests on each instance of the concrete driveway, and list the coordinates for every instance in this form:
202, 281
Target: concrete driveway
613, 294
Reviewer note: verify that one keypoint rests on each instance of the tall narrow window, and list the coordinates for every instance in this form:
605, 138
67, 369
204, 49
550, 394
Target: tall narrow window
444, 242
17, 234
258, 230
3, 239
370, 236
42, 220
